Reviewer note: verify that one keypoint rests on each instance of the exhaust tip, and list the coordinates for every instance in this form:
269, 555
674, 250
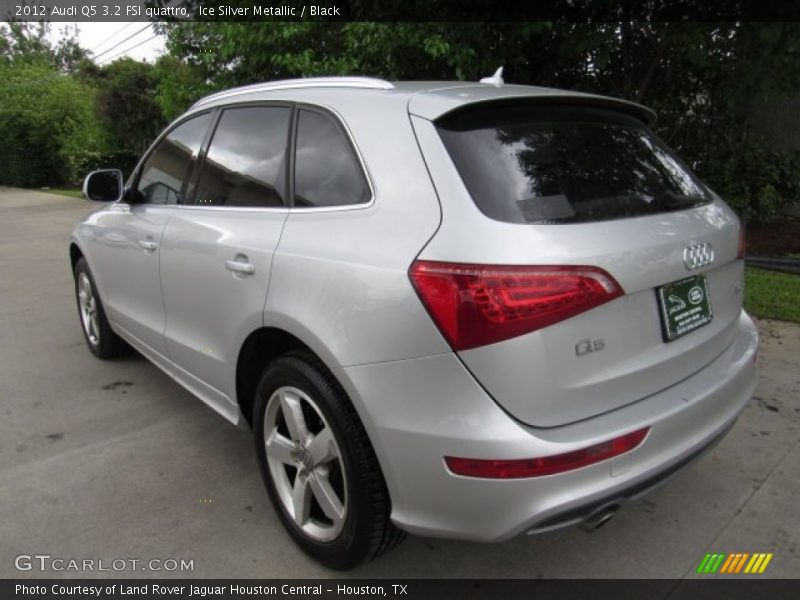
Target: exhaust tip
599, 518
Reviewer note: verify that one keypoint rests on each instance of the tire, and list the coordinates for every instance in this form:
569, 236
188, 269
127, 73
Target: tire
100, 338
306, 464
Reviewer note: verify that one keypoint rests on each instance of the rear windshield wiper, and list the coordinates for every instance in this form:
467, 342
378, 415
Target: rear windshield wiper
673, 200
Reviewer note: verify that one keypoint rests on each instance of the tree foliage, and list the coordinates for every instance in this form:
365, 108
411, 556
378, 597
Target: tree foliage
178, 86
47, 124
61, 115
702, 78
24, 42
231, 53
47, 117
126, 105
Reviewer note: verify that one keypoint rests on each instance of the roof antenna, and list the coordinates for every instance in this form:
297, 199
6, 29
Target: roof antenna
496, 79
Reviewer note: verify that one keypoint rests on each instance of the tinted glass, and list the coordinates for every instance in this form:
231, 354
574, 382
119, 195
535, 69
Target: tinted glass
525, 164
326, 171
245, 164
166, 169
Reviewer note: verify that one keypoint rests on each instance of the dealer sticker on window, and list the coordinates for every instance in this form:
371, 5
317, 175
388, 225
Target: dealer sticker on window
684, 306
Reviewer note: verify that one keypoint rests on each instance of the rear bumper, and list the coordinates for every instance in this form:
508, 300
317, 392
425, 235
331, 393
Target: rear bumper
584, 513
418, 411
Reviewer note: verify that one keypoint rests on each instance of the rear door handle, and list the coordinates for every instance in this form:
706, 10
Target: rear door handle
240, 267
147, 245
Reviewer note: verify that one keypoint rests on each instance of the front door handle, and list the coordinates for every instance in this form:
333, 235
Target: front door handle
147, 245
239, 266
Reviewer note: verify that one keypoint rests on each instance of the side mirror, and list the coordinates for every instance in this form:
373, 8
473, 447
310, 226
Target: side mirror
103, 186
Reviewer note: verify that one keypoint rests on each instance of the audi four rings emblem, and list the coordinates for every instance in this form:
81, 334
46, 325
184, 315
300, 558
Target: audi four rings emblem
698, 255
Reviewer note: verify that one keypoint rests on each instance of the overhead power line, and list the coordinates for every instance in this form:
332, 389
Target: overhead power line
113, 35
115, 56
133, 35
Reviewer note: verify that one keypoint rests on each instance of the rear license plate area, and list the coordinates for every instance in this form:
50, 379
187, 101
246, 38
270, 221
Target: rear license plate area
684, 305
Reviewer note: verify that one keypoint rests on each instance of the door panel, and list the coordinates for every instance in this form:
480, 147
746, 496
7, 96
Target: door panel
129, 234
215, 268
126, 264
217, 253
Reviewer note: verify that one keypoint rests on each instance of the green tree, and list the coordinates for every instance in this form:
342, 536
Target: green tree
126, 107
700, 77
48, 126
231, 53
28, 42
48, 122
178, 86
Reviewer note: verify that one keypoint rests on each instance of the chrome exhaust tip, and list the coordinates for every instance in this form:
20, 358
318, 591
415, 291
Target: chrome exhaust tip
599, 518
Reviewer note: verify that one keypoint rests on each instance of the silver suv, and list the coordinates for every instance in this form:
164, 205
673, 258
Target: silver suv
451, 309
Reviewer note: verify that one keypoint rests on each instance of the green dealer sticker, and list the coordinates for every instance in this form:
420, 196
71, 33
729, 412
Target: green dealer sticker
685, 306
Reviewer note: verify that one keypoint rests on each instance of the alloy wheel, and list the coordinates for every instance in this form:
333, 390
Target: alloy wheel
305, 464
88, 308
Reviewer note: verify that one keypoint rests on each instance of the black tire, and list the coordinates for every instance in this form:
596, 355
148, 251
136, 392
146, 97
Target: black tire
106, 344
367, 531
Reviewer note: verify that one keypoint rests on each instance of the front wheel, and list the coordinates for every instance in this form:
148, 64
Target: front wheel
100, 338
318, 465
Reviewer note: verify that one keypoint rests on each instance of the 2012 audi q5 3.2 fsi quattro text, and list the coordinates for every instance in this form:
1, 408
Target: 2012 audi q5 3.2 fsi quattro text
444, 308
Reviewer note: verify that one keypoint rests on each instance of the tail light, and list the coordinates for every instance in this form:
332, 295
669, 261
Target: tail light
546, 465
474, 305
742, 243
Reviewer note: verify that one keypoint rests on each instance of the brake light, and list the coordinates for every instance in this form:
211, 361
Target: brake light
474, 305
742, 243
546, 465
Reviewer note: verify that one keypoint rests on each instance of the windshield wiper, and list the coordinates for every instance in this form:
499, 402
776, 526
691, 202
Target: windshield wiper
673, 200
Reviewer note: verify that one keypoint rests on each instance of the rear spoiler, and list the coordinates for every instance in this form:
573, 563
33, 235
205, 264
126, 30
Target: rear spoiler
436, 104
637, 111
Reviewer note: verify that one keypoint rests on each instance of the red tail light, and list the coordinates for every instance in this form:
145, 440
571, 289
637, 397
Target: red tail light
475, 305
742, 243
547, 465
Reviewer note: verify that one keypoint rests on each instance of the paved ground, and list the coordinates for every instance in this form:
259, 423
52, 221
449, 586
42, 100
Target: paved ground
111, 460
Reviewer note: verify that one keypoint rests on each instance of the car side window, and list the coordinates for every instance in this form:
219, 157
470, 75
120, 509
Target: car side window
246, 162
168, 166
326, 172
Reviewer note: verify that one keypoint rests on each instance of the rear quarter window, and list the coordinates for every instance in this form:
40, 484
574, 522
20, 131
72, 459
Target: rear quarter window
327, 172
533, 164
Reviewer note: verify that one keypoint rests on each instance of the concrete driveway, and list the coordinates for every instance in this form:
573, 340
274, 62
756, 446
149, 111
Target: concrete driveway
113, 460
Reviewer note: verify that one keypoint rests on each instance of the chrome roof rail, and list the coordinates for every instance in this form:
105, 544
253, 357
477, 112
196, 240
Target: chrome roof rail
306, 82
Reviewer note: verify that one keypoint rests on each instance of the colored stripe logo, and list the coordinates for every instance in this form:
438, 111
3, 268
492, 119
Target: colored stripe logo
735, 563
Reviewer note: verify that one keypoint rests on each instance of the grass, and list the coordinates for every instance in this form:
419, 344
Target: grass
772, 295
63, 192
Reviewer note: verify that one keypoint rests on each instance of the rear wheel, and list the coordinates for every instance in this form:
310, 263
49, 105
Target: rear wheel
318, 465
100, 338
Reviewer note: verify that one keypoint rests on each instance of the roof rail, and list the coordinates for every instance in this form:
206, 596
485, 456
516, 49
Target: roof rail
306, 82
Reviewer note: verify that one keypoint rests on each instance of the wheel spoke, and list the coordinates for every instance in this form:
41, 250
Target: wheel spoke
280, 448
293, 415
326, 497
323, 448
301, 499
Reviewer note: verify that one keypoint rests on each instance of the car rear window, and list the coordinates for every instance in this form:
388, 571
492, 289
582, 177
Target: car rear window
533, 164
